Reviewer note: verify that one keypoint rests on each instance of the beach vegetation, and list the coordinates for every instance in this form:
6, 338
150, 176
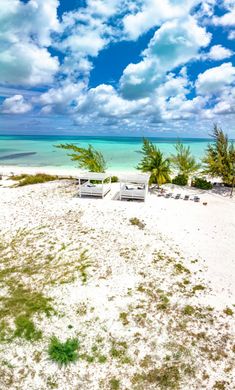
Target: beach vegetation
87, 158
188, 310
114, 179
198, 287
136, 222
63, 353
201, 183
155, 163
123, 316
219, 160
180, 180
25, 328
25, 180
183, 161
114, 384
228, 311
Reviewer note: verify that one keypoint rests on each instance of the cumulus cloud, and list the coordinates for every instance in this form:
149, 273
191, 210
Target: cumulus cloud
25, 34
173, 44
228, 19
218, 52
60, 99
15, 105
214, 80
104, 102
151, 13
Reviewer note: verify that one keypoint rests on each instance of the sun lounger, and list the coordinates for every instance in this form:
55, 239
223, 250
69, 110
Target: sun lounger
186, 197
178, 196
196, 199
169, 195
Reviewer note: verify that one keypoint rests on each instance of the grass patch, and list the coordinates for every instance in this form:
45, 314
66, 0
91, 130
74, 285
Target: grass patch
25, 180
114, 384
228, 311
25, 328
22, 304
188, 310
137, 222
179, 268
198, 287
63, 353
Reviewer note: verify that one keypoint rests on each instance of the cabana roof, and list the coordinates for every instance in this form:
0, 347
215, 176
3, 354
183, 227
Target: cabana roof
141, 178
93, 176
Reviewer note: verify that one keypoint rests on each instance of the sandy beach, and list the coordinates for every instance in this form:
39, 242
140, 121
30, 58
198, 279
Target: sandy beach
152, 298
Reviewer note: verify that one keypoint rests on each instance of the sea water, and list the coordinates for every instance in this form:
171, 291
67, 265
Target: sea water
121, 153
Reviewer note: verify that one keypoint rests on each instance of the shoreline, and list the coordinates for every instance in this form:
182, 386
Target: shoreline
8, 170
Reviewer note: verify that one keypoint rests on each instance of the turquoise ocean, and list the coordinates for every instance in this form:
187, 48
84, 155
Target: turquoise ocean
121, 153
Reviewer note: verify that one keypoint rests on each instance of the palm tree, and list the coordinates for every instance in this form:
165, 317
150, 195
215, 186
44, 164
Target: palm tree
183, 160
88, 158
219, 160
154, 163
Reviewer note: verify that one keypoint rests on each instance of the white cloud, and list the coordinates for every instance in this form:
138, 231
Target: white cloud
15, 105
60, 99
173, 44
228, 19
215, 79
27, 64
218, 52
151, 13
25, 34
231, 35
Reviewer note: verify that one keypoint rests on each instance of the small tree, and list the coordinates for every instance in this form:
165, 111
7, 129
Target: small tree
154, 163
88, 158
219, 160
183, 160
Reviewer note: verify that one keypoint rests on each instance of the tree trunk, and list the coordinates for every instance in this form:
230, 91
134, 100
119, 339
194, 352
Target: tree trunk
233, 182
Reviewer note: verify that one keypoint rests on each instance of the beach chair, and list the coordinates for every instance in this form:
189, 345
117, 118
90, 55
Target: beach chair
169, 195
178, 196
186, 197
196, 199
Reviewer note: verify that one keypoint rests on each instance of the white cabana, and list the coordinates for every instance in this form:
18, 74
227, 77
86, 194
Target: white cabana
87, 187
134, 186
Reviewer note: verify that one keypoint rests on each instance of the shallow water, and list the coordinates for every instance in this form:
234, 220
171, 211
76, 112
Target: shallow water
121, 153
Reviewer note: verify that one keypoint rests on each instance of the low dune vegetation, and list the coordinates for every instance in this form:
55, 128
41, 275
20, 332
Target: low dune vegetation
110, 305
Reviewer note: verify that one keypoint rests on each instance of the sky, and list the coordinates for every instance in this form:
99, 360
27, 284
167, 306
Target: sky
117, 67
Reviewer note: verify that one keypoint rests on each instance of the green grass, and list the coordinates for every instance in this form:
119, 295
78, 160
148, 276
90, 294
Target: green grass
63, 353
25, 180
25, 328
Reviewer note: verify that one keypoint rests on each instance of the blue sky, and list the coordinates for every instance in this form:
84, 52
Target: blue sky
110, 67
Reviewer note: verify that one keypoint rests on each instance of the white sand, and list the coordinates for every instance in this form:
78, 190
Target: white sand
201, 237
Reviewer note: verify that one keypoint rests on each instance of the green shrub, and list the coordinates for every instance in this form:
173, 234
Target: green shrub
180, 180
203, 184
114, 179
63, 353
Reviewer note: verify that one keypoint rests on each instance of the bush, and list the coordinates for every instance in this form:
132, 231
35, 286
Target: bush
63, 353
180, 180
201, 183
114, 179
